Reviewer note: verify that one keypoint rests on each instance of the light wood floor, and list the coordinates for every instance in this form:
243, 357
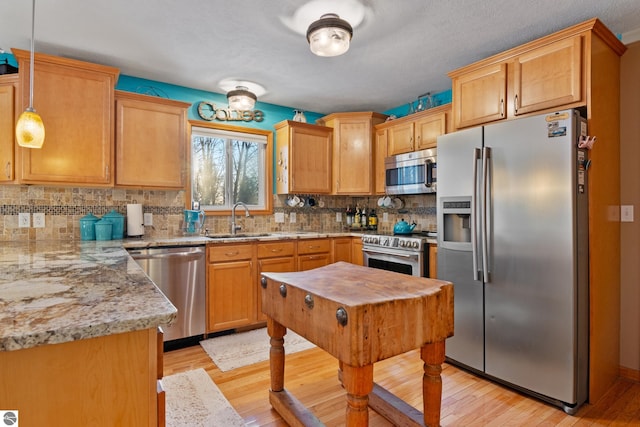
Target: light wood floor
467, 400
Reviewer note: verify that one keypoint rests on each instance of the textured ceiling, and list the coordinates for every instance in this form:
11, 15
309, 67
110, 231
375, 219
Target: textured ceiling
402, 49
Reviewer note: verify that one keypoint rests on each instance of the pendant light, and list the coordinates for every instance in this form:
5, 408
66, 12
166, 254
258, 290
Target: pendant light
329, 35
241, 99
30, 129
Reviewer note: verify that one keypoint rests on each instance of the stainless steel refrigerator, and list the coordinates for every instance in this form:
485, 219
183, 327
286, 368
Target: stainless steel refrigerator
513, 239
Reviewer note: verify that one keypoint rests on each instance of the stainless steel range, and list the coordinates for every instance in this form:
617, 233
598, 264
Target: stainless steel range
400, 253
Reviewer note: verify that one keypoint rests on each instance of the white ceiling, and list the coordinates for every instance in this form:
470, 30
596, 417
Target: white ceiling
402, 49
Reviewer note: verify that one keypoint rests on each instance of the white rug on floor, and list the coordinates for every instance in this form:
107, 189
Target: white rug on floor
246, 348
194, 400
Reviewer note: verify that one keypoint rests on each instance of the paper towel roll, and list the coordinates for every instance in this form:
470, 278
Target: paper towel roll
135, 220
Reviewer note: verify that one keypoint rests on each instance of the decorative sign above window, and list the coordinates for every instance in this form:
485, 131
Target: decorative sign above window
209, 112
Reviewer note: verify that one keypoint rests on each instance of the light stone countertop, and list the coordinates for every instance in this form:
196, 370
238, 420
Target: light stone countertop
53, 292
58, 291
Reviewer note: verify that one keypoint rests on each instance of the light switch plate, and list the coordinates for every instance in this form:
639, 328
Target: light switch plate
626, 213
338, 216
24, 220
292, 218
38, 220
385, 217
279, 216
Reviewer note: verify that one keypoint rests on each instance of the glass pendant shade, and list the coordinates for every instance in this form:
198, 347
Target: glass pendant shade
329, 36
241, 99
30, 129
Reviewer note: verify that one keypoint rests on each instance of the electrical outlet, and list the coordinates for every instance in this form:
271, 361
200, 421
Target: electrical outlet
148, 219
279, 217
292, 218
385, 217
24, 220
38, 220
626, 213
338, 216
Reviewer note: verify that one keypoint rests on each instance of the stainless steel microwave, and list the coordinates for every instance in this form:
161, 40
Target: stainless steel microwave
411, 173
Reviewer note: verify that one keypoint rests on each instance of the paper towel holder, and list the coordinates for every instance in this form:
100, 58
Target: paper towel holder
135, 220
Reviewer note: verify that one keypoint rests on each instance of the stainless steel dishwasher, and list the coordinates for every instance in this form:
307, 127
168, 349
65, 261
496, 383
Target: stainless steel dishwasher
179, 272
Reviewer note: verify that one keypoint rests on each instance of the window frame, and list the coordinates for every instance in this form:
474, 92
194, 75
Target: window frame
268, 166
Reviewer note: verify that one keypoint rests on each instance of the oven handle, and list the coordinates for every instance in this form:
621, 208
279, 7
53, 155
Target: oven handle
378, 251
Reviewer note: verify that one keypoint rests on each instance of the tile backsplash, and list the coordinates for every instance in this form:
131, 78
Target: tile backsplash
64, 206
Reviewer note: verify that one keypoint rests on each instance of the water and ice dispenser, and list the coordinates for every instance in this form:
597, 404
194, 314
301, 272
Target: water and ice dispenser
456, 223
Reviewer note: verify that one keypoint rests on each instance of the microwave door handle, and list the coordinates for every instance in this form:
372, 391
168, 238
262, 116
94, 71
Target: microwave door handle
429, 172
474, 214
486, 211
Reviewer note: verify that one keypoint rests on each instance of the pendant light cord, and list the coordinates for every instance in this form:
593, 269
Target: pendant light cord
33, 20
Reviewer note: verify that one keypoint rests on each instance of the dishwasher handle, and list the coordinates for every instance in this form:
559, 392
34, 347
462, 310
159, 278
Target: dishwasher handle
166, 255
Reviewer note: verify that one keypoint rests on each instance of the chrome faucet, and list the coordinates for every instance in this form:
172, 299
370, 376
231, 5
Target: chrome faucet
235, 228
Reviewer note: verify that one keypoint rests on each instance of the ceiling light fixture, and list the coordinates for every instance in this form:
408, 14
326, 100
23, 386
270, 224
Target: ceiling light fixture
30, 129
241, 99
329, 35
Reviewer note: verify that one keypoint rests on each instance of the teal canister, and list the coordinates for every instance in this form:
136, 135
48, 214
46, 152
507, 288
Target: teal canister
117, 224
104, 229
87, 227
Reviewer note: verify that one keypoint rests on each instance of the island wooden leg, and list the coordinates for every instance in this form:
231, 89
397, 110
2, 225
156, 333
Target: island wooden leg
276, 354
433, 357
358, 382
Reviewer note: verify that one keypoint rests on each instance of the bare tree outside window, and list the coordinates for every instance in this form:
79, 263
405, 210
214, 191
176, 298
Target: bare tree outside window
227, 169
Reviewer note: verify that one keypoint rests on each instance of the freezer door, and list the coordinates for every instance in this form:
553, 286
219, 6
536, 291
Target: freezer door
530, 300
456, 164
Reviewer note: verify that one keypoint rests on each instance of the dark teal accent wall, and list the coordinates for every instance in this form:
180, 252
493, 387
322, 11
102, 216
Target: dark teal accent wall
403, 110
272, 113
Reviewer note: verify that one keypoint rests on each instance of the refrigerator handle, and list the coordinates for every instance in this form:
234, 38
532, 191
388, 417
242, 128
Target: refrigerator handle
486, 212
474, 215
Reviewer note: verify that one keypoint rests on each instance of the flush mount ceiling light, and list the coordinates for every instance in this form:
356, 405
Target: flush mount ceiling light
241, 99
30, 129
329, 35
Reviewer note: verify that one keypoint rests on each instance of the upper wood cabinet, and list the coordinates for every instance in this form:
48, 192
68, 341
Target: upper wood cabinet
303, 158
417, 131
380, 153
150, 130
541, 75
8, 88
76, 102
353, 151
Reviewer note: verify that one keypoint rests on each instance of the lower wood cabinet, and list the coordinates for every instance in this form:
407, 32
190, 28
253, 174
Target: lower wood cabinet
234, 271
231, 286
433, 261
341, 249
313, 253
356, 251
108, 381
273, 257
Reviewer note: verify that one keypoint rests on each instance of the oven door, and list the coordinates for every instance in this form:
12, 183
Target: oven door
411, 263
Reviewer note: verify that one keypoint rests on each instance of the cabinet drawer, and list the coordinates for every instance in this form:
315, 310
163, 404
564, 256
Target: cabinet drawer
275, 249
229, 252
314, 246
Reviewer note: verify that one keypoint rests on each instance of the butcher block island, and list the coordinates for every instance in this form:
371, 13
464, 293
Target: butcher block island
360, 316
79, 340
